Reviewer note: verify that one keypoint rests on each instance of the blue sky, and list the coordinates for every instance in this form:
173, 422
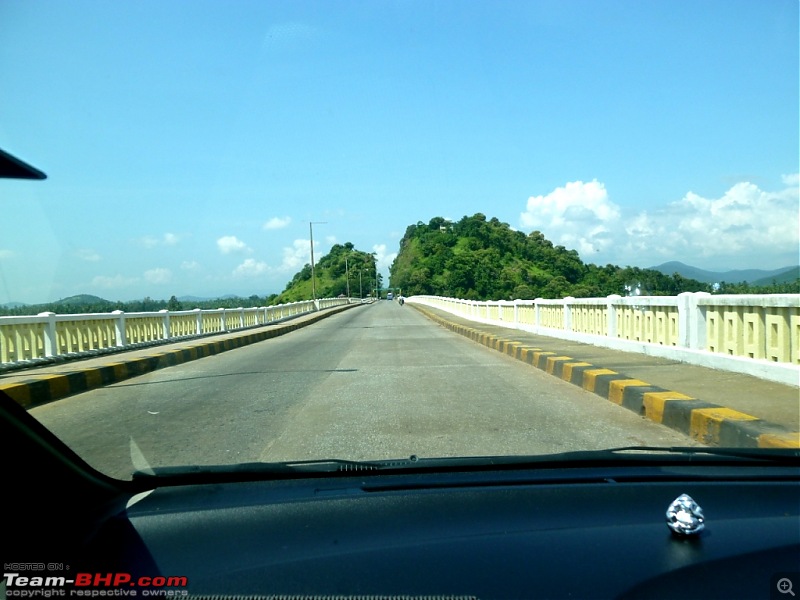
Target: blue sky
188, 144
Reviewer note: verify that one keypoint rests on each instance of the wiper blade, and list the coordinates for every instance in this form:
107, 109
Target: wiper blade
622, 456
258, 470
780, 455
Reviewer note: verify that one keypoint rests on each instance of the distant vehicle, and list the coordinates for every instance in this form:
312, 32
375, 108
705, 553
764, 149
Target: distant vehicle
390, 296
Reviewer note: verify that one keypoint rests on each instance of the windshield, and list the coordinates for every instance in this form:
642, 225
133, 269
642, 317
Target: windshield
282, 231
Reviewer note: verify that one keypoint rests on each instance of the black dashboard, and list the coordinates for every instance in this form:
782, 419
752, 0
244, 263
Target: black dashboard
595, 534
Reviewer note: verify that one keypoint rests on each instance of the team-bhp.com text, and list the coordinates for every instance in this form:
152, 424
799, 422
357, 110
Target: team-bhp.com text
93, 585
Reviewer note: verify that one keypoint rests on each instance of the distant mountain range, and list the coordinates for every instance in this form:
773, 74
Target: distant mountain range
202, 299
751, 276
79, 300
89, 299
13, 305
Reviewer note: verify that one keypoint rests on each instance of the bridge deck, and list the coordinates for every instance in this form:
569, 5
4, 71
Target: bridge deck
642, 383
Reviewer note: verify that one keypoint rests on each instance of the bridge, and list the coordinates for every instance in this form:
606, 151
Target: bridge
380, 380
754, 334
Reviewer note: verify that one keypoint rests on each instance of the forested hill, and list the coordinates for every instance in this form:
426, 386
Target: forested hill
482, 259
330, 274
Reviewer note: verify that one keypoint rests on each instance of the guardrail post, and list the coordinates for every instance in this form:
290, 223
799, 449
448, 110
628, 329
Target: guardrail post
241, 317
568, 313
199, 321
692, 320
50, 340
537, 313
611, 315
165, 323
223, 325
119, 328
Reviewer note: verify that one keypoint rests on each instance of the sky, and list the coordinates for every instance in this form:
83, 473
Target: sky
188, 145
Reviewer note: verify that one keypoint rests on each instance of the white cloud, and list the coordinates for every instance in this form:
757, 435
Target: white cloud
277, 223
159, 275
250, 268
298, 255
87, 255
742, 224
190, 265
151, 241
791, 179
743, 228
230, 243
383, 259
578, 215
6, 254
117, 281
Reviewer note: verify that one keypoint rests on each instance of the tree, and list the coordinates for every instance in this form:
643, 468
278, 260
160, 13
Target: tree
174, 304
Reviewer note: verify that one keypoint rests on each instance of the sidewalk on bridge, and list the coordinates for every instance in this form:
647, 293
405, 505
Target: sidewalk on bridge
715, 407
41, 384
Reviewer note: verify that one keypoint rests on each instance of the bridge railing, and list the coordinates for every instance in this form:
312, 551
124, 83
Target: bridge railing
754, 334
47, 335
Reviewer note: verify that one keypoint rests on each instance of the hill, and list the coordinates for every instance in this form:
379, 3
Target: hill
752, 276
789, 275
330, 275
82, 300
13, 305
482, 259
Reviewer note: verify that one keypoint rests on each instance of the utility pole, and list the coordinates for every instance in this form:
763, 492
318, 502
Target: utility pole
347, 275
313, 276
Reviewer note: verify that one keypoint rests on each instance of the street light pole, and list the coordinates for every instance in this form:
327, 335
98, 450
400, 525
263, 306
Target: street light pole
313, 275
347, 275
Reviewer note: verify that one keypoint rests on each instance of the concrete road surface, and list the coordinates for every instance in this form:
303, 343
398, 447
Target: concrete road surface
379, 381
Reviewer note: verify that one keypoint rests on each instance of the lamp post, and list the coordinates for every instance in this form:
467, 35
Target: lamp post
347, 275
313, 276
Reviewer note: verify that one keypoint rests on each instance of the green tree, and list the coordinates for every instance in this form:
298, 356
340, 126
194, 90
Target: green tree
174, 304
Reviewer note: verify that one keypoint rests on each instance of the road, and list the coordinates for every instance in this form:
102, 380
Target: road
378, 381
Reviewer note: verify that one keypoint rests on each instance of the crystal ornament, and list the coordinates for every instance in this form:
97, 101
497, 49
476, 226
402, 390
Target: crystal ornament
684, 516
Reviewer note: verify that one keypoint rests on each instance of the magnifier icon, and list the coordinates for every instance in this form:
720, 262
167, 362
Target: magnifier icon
785, 586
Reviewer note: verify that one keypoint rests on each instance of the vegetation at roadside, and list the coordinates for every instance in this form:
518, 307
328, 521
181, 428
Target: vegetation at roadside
331, 276
480, 259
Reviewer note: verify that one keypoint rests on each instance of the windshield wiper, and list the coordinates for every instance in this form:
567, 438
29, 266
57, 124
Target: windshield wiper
779, 455
258, 470
623, 456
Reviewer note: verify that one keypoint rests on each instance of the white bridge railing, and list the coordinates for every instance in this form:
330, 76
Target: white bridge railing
47, 335
754, 334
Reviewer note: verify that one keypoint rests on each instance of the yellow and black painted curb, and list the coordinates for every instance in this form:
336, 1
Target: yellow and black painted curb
41, 389
707, 423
